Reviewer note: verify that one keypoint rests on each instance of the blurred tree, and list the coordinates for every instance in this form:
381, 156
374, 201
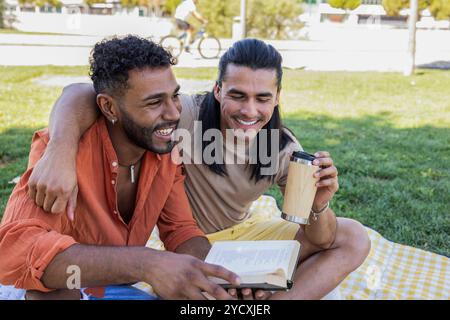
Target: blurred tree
151, 5
41, 3
393, 7
273, 19
169, 6
2, 13
219, 14
440, 9
345, 4
91, 2
411, 58
265, 18
155, 6
130, 3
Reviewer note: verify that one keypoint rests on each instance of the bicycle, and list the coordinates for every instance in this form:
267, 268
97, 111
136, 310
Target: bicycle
209, 46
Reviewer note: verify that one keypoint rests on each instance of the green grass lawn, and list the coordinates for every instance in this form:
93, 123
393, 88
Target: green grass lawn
389, 136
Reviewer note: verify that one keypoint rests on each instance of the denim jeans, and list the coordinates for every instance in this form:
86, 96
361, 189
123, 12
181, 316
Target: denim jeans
124, 292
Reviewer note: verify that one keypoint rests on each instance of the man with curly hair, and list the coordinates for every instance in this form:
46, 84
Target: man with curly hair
127, 183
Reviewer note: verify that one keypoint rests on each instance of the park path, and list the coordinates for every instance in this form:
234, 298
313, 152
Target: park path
330, 49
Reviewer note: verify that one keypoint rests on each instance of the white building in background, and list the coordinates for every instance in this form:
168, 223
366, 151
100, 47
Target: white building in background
66, 5
75, 17
73, 6
12, 6
110, 7
370, 12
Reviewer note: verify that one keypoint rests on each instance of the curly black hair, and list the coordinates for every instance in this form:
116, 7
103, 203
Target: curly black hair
112, 59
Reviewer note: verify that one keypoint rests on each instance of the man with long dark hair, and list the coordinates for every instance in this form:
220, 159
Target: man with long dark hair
242, 107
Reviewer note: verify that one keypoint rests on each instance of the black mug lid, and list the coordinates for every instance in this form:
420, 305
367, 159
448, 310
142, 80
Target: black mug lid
303, 155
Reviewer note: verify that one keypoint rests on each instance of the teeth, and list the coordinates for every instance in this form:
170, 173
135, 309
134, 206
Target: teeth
246, 123
164, 132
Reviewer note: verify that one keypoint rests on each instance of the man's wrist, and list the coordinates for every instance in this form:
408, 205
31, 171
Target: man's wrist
62, 146
316, 213
145, 263
316, 208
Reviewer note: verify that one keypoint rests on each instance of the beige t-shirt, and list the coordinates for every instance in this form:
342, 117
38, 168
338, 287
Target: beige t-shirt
219, 202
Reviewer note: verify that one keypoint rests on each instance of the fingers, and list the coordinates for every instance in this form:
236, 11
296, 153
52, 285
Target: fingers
72, 204
208, 296
220, 272
194, 294
52, 202
328, 183
199, 279
59, 205
262, 295
233, 293
247, 294
40, 196
216, 291
323, 162
322, 154
211, 289
48, 202
327, 172
32, 192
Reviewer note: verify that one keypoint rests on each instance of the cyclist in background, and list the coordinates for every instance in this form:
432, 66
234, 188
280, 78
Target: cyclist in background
182, 13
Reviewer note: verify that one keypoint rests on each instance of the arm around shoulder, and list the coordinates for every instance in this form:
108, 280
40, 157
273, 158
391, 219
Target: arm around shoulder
53, 181
73, 113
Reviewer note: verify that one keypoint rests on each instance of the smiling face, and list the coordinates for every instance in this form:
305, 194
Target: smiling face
247, 98
149, 110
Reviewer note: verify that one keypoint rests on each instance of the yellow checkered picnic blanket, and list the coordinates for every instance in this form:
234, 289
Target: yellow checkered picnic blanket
391, 271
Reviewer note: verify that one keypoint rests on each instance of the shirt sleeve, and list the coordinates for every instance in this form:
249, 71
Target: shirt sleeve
189, 111
29, 237
176, 224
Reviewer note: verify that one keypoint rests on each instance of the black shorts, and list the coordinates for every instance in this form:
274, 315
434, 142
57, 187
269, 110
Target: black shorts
183, 25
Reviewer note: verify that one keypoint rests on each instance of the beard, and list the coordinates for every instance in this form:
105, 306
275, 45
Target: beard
143, 136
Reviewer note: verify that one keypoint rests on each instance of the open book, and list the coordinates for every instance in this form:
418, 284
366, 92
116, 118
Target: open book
268, 265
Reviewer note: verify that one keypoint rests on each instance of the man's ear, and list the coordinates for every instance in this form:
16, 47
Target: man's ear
107, 106
217, 92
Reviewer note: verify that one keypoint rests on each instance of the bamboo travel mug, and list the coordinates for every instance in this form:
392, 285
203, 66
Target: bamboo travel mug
300, 188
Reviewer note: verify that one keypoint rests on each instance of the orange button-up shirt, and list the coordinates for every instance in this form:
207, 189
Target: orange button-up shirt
30, 238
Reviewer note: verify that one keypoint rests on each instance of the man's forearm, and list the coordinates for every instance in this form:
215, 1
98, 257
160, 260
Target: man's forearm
73, 113
98, 266
197, 247
323, 231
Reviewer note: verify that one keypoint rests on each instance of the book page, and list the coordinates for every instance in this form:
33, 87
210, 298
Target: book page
244, 257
